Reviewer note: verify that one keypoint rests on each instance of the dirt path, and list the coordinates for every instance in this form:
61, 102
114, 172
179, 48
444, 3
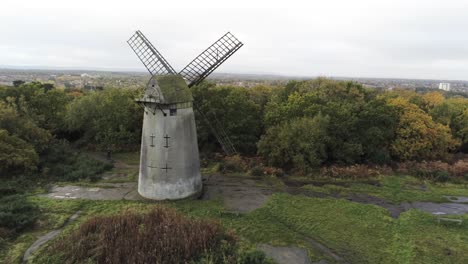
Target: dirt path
46, 238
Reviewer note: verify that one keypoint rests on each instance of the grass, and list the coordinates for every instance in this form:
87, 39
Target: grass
53, 215
130, 158
397, 189
256, 227
367, 233
360, 233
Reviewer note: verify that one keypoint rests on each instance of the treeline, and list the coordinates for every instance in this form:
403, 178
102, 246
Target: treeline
307, 124
38, 121
301, 126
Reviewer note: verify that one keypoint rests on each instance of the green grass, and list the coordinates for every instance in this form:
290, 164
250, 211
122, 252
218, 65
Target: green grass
256, 227
367, 233
53, 215
397, 189
130, 158
360, 233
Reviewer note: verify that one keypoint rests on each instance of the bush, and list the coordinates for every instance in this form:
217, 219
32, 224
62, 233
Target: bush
17, 213
459, 169
252, 257
16, 155
435, 170
64, 164
161, 235
358, 171
234, 164
256, 171
4, 233
298, 144
106, 118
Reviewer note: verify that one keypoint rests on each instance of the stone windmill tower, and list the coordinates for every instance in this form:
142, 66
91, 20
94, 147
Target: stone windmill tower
169, 161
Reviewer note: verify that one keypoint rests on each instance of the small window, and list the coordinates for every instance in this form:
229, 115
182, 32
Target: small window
172, 112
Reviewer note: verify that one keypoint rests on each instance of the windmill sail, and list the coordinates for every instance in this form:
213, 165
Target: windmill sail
210, 59
149, 55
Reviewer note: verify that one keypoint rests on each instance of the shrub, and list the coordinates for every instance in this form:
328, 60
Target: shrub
252, 257
17, 213
64, 164
234, 164
256, 171
161, 235
441, 176
459, 168
273, 171
298, 144
358, 171
432, 175
4, 233
106, 118
435, 170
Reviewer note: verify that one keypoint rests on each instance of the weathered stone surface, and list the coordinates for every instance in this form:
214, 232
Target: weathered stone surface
239, 195
169, 164
457, 199
285, 255
438, 208
110, 191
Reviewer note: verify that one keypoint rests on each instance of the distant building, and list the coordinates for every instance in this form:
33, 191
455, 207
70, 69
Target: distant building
444, 86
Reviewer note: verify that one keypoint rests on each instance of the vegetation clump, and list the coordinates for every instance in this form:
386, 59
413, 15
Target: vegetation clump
16, 215
161, 235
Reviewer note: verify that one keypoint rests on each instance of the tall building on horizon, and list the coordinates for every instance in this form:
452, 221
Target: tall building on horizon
444, 86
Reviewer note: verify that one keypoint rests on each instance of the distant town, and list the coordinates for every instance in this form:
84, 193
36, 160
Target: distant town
93, 80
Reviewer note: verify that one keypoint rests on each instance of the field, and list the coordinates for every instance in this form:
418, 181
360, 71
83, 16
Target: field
317, 218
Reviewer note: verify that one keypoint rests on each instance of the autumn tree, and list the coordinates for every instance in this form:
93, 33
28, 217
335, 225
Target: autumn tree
418, 137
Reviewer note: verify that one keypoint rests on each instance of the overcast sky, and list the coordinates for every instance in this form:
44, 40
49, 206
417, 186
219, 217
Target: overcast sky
352, 38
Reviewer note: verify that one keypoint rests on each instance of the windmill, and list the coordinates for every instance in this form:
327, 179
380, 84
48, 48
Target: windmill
169, 161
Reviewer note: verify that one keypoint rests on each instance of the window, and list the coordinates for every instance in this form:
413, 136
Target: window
172, 112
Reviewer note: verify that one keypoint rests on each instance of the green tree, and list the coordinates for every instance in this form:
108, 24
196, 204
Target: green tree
340, 101
108, 118
376, 125
300, 143
233, 109
16, 155
44, 105
453, 113
23, 127
18, 83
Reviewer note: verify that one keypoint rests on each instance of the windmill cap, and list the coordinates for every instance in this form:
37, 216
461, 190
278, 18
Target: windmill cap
172, 89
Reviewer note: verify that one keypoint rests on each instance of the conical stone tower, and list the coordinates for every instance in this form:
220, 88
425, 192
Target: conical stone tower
169, 162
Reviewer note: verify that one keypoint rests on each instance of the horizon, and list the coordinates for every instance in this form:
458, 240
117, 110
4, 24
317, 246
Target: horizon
363, 39
272, 74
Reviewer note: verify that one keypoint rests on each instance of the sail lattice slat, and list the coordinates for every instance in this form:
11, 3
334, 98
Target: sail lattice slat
149, 55
210, 59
